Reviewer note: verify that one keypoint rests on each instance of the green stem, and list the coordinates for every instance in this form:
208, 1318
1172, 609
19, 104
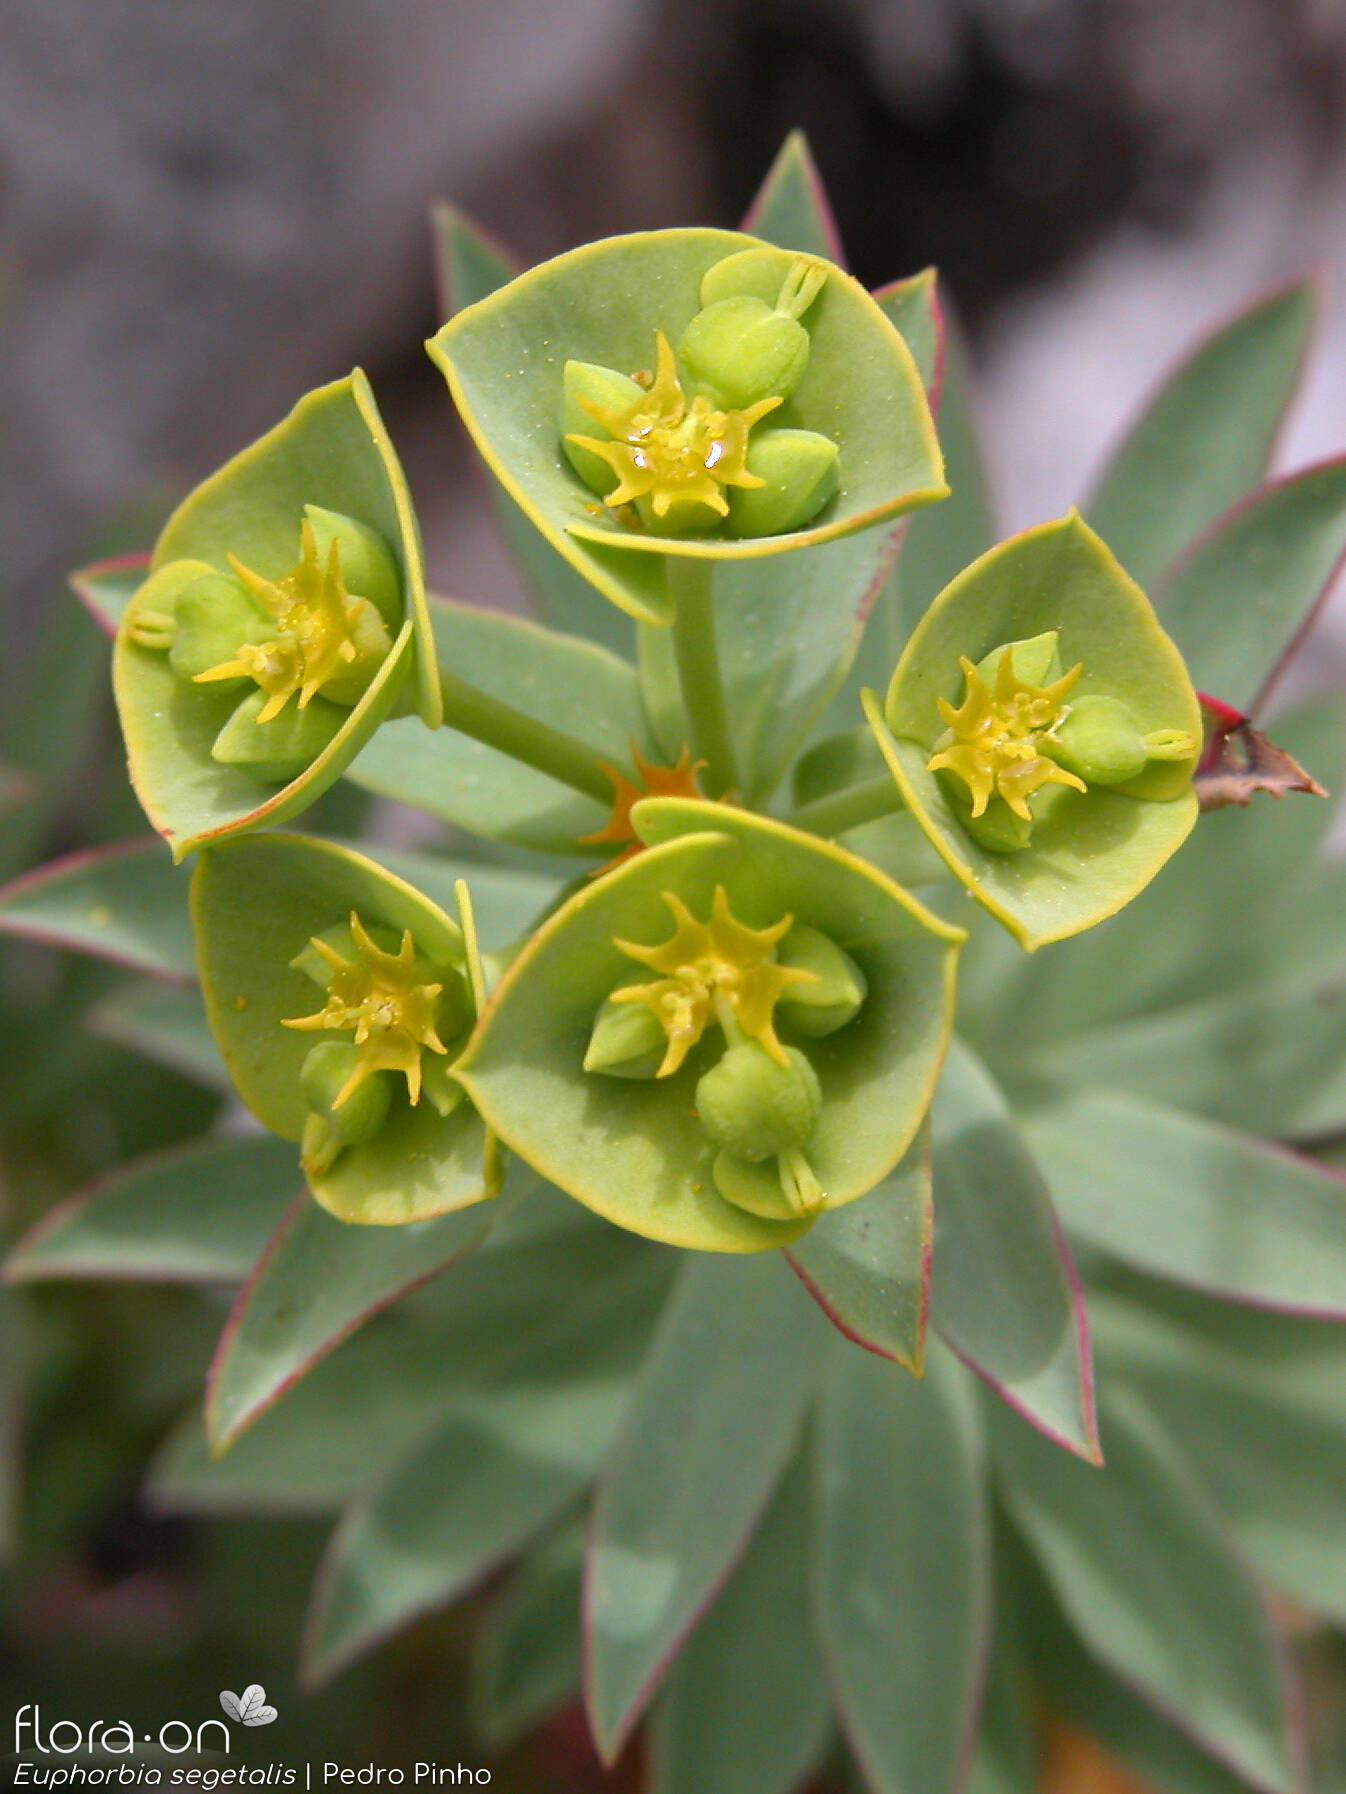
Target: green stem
537, 744
849, 807
689, 586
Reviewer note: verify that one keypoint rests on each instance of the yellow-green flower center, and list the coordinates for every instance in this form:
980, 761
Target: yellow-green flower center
714, 971
385, 1000
665, 448
999, 740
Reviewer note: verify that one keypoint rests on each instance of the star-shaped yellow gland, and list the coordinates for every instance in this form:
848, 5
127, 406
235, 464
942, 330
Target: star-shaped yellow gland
678, 780
317, 622
998, 742
717, 971
665, 449
384, 999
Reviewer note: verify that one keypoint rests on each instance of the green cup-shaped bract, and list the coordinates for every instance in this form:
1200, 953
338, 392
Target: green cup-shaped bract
330, 459
1088, 853
630, 1147
504, 359
257, 902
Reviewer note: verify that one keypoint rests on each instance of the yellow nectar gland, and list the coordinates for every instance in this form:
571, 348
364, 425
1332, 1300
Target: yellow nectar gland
996, 738
317, 621
713, 971
668, 450
678, 780
381, 997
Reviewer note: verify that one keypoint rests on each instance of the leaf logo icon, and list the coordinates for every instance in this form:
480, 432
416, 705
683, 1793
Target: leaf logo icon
250, 1707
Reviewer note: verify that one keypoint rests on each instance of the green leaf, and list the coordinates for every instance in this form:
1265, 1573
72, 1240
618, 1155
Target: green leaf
715, 1417
902, 1567
1235, 602
1091, 851
604, 303
745, 1706
196, 1214
939, 542
573, 685
644, 1167
13, 1368
319, 1280
106, 587
526, 1660
470, 267
506, 901
1006, 1295
1205, 437
912, 308
1006, 1757
1267, 1438
867, 1265
1271, 1059
331, 451
1192, 1202
791, 207
167, 1025
1138, 1558
256, 904
124, 903
465, 1500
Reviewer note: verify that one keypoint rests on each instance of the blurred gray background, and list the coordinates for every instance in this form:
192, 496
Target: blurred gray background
207, 207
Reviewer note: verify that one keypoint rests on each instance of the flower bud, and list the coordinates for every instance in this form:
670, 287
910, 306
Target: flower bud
215, 616
800, 470
325, 1072
754, 1106
627, 1041
1098, 739
606, 390
835, 990
368, 569
280, 749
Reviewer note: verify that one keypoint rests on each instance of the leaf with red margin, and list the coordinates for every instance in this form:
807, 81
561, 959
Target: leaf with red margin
105, 588
1205, 436
1254, 582
123, 902
316, 1282
791, 208
902, 1564
1239, 760
1006, 1295
714, 1419
867, 1265
196, 1214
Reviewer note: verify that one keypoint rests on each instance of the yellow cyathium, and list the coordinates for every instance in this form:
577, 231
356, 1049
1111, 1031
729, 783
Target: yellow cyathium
384, 998
323, 632
999, 739
668, 450
716, 971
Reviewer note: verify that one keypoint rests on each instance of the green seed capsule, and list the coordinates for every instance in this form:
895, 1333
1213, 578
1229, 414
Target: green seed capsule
1037, 660
1098, 739
151, 616
322, 1078
215, 616
997, 829
800, 470
368, 569
606, 390
754, 1106
739, 351
627, 1041
278, 750
834, 993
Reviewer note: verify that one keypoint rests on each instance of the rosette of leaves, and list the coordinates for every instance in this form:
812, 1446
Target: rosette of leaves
823, 424
1043, 731
282, 620
736, 1031
339, 997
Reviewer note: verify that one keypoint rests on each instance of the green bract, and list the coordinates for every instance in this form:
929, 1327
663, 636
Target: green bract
335, 993
834, 373
1043, 731
634, 1146
283, 616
